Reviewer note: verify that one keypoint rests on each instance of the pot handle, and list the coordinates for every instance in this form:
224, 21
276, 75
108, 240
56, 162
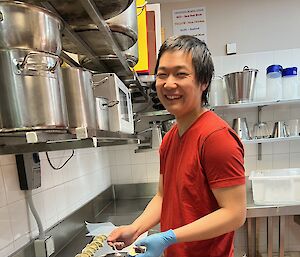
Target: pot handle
21, 65
246, 68
98, 83
112, 103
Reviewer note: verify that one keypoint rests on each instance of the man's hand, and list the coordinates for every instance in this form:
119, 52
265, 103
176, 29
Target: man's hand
122, 236
157, 243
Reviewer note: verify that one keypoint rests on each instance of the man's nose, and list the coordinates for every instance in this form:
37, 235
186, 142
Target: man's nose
170, 82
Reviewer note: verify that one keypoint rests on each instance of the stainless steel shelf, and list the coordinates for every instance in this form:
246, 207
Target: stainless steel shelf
255, 104
42, 141
153, 113
271, 140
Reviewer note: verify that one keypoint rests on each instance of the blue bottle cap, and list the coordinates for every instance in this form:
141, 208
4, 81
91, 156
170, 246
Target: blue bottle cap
274, 68
291, 71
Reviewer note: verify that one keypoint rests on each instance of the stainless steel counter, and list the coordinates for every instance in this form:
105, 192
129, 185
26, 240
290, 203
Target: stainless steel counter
124, 211
70, 236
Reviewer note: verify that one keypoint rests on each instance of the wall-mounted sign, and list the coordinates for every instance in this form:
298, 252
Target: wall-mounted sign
191, 21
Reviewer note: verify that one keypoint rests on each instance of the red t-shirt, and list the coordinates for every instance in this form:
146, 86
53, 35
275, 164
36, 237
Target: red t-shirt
208, 155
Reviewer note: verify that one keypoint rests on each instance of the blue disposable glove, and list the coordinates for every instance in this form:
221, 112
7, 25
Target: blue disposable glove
157, 243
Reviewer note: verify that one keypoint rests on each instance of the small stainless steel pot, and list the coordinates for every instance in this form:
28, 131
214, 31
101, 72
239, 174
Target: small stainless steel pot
26, 26
31, 94
79, 98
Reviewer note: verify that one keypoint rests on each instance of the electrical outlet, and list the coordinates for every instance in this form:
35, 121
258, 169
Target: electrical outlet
231, 48
44, 247
29, 170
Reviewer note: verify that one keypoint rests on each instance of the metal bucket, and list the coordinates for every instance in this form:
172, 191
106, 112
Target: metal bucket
25, 26
31, 95
240, 85
79, 98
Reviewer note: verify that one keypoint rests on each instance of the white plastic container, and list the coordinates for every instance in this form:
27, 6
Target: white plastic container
276, 187
218, 95
290, 84
274, 83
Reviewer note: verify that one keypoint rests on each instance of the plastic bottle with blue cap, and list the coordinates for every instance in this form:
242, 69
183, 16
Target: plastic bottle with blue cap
274, 82
290, 83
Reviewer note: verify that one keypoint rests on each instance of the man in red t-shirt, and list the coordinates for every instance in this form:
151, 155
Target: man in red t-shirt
201, 198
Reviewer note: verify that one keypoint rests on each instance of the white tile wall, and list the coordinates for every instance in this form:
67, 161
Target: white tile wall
130, 167
62, 192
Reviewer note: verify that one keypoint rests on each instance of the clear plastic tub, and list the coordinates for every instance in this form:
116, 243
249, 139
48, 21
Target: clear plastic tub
274, 83
290, 84
276, 187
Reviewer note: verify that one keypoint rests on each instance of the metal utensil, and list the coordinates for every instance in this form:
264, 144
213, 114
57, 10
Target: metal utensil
241, 128
280, 129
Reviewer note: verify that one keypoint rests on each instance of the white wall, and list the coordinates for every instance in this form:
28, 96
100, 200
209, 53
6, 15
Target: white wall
254, 25
62, 192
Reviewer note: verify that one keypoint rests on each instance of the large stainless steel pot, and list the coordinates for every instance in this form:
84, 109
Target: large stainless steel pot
26, 26
79, 98
240, 85
74, 14
123, 28
131, 55
31, 95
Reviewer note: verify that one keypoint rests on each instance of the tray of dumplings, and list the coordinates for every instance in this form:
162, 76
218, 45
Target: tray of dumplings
94, 248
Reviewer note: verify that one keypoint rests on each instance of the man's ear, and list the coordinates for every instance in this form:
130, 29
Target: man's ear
203, 86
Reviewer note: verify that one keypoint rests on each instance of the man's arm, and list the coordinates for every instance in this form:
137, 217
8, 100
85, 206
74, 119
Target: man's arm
230, 216
151, 215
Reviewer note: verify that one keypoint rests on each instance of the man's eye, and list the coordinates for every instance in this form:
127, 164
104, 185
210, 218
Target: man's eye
181, 74
161, 75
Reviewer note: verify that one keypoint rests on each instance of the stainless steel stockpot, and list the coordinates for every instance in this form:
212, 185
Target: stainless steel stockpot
240, 85
31, 94
74, 14
123, 28
131, 55
80, 101
26, 26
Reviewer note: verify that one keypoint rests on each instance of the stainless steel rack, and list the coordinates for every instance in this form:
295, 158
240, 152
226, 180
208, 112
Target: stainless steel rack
54, 140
